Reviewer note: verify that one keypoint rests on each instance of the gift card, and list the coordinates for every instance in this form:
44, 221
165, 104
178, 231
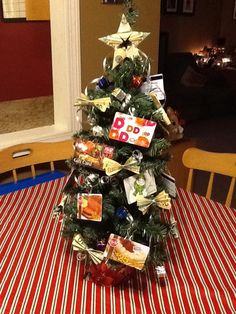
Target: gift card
89, 207
126, 251
169, 182
154, 84
143, 184
157, 85
91, 154
132, 130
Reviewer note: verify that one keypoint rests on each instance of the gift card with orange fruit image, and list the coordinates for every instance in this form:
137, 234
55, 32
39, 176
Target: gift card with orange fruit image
89, 206
132, 130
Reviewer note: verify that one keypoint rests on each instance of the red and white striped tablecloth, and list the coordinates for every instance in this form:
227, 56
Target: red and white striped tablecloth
40, 272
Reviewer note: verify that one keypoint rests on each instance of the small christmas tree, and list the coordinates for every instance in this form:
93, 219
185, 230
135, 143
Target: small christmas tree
115, 205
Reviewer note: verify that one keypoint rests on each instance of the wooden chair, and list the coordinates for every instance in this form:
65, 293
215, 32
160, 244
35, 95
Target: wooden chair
221, 163
32, 154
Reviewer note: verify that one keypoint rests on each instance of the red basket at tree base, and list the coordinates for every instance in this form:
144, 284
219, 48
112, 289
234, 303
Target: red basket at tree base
108, 274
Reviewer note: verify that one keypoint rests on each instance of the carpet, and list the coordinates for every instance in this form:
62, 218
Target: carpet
24, 114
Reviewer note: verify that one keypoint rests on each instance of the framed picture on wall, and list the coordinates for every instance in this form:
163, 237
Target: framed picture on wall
170, 6
234, 10
112, 1
188, 7
13, 10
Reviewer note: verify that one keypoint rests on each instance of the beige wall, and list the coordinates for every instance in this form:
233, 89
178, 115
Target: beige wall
98, 20
191, 33
228, 25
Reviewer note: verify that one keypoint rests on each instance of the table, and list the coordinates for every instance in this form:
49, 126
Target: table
40, 272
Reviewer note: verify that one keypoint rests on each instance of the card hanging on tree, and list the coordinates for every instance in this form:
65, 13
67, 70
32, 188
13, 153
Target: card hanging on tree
92, 154
132, 130
89, 207
155, 83
170, 184
126, 251
143, 184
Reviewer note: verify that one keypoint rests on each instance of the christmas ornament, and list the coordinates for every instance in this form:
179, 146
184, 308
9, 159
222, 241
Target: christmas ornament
137, 81
92, 121
123, 213
126, 101
97, 131
173, 228
103, 83
80, 180
112, 167
119, 94
124, 32
101, 245
59, 208
89, 207
133, 130
161, 200
81, 256
160, 271
124, 42
126, 251
101, 103
79, 245
137, 155
92, 180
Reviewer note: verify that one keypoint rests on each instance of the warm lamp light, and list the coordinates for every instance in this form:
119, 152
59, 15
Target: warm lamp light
214, 56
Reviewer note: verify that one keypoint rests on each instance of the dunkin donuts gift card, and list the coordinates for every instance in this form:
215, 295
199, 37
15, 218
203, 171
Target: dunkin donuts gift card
132, 130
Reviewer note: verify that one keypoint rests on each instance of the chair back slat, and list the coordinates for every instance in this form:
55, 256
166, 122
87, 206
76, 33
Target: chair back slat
190, 180
212, 162
33, 173
52, 167
210, 185
230, 192
14, 175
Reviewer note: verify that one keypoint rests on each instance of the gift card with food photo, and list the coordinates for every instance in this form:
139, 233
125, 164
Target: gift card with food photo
126, 251
89, 206
143, 184
91, 154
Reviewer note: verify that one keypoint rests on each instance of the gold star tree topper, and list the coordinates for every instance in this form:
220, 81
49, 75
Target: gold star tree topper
125, 41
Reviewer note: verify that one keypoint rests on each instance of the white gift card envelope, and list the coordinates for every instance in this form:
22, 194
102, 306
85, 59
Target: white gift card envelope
154, 84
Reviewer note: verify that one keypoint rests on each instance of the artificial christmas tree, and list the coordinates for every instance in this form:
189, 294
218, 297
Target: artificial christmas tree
116, 206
